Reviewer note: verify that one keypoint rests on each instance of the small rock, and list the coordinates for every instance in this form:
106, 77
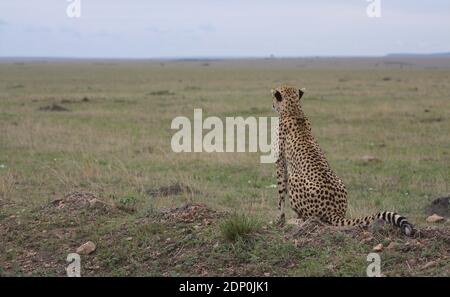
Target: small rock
93, 202
378, 248
129, 238
392, 245
216, 245
429, 264
86, 248
435, 218
266, 274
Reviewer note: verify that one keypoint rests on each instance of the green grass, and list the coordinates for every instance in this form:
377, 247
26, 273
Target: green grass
127, 203
239, 226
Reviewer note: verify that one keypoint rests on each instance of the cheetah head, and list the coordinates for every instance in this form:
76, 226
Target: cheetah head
286, 99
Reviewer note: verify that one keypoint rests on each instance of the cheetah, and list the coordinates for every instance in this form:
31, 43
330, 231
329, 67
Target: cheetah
303, 173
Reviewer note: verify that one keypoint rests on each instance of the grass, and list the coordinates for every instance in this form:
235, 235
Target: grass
116, 145
239, 226
127, 203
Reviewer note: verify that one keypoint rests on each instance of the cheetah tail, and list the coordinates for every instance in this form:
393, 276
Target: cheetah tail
387, 216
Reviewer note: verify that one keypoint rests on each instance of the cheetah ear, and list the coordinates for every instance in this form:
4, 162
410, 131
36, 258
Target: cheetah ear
301, 92
277, 95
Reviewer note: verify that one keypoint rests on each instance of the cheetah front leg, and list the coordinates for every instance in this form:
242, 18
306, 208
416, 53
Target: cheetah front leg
282, 188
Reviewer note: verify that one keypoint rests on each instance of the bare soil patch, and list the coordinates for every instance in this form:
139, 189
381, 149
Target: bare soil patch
191, 213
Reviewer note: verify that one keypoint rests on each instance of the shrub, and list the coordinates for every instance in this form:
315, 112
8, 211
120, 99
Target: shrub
238, 226
127, 203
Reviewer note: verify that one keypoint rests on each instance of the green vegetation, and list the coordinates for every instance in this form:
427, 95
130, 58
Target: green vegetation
238, 226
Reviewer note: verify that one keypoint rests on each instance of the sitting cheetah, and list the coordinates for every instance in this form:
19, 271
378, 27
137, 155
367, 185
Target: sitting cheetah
304, 173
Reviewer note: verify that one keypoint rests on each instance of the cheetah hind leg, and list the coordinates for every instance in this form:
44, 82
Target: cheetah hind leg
281, 220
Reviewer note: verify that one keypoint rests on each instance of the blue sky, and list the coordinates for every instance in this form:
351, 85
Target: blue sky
218, 28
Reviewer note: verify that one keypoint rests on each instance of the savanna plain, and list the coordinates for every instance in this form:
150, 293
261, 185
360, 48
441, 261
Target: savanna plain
85, 155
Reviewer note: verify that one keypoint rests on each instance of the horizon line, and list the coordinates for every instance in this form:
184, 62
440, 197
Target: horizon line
237, 57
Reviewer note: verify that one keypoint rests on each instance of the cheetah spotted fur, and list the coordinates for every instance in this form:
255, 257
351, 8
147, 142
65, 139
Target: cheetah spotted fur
304, 175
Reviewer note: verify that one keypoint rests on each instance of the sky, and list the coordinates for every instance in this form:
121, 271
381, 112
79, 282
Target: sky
221, 28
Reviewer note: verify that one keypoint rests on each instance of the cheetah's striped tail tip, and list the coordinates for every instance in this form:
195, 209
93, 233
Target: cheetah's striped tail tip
408, 229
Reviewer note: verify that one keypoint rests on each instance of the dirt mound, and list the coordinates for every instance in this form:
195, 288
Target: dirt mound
79, 205
315, 233
190, 213
435, 233
440, 206
80, 200
76, 208
53, 107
